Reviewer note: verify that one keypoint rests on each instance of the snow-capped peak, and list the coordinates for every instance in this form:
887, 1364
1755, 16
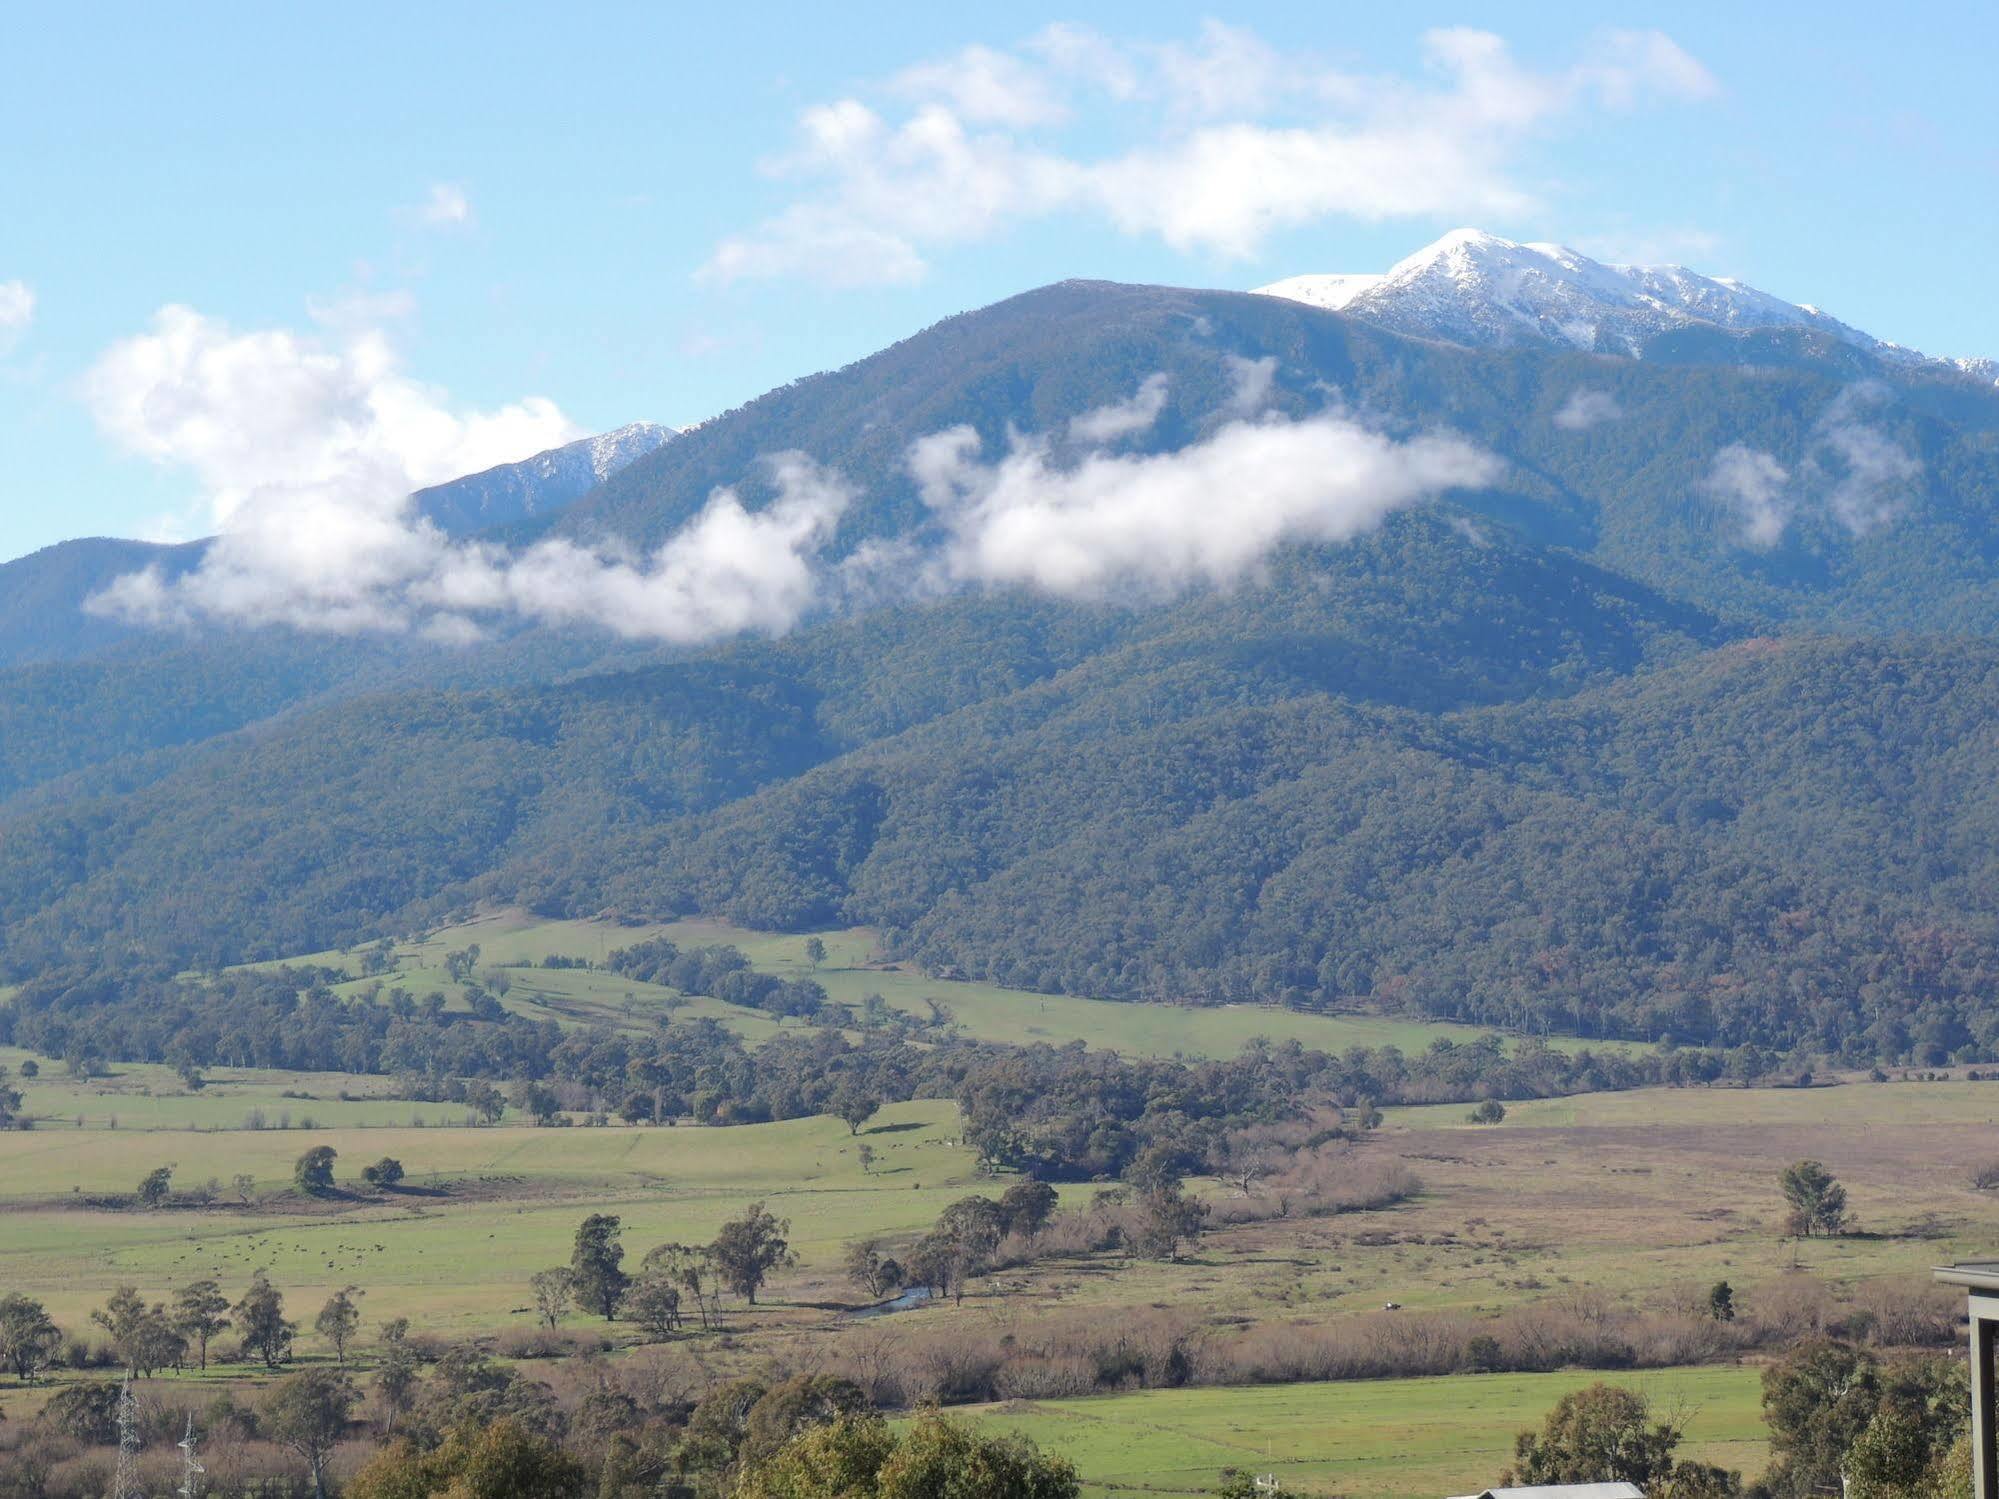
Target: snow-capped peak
1474, 288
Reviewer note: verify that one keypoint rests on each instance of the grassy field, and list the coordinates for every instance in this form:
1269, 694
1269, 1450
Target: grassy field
139, 1096
484, 1209
516, 943
1367, 1439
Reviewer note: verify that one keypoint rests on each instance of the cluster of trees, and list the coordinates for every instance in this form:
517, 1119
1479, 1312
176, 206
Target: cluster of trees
145, 1338
741, 1258
719, 972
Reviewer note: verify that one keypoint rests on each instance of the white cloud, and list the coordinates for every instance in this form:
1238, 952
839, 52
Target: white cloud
1210, 513
17, 311
1251, 382
1237, 142
1867, 476
1753, 483
1121, 419
446, 207
307, 453
985, 87
1587, 408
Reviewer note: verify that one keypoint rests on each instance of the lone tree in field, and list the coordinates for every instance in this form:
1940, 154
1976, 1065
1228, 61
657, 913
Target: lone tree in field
28, 1339
1490, 1111
199, 1313
156, 1186
855, 1106
385, 1174
552, 1292
749, 1248
815, 951
313, 1172
1818, 1202
1721, 1301
338, 1321
1605, 1435
596, 1265
307, 1413
260, 1317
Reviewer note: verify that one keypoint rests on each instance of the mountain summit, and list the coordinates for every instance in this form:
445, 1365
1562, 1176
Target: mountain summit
1484, 292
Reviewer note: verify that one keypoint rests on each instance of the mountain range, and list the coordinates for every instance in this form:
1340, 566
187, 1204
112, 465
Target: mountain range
1673, 719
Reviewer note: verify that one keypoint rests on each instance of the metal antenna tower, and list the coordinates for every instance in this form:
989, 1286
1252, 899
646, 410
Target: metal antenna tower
190, 1465
125, 1485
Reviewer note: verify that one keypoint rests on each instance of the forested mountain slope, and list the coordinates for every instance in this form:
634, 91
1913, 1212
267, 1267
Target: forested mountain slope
1579, 750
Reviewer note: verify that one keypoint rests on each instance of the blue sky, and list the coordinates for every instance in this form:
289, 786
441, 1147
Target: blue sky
621, 212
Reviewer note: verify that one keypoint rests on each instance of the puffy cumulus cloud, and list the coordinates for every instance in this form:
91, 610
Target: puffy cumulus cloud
446, 206
308, 454
1211, 512
277, 420
1752, 483
1587, 408
17, 311
1233, 142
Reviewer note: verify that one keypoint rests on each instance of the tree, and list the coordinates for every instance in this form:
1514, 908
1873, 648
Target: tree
28, 1339
260, 1317
855, 1106
243, 1184
396, 1371
1837, 1413
1721, 1301
596, 1262
338, 1321
691, 1267
1489, 1111
871, 1271
1604, 1434
385, 1174
552, 1292
1818, 1202
1171, 1218
815, 951
198, 1314
10, 1098
653, 1302
142, 1336
866, 1155
501, 1460
307, 1412
858, 1457
312, 1173
1026, 1207
156, 1186
749, 1248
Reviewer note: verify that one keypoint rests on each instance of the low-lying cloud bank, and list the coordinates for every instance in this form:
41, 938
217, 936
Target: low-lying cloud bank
324, 539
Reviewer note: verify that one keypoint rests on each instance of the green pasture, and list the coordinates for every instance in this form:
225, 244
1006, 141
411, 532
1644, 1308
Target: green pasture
138, 1096
483, 1209
1365, 1439
517, 942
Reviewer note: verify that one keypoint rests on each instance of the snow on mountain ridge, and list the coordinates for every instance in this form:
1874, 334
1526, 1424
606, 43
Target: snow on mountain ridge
1476, 289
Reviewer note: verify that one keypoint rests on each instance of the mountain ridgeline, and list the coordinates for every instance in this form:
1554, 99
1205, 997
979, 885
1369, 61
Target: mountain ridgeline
1581, 751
